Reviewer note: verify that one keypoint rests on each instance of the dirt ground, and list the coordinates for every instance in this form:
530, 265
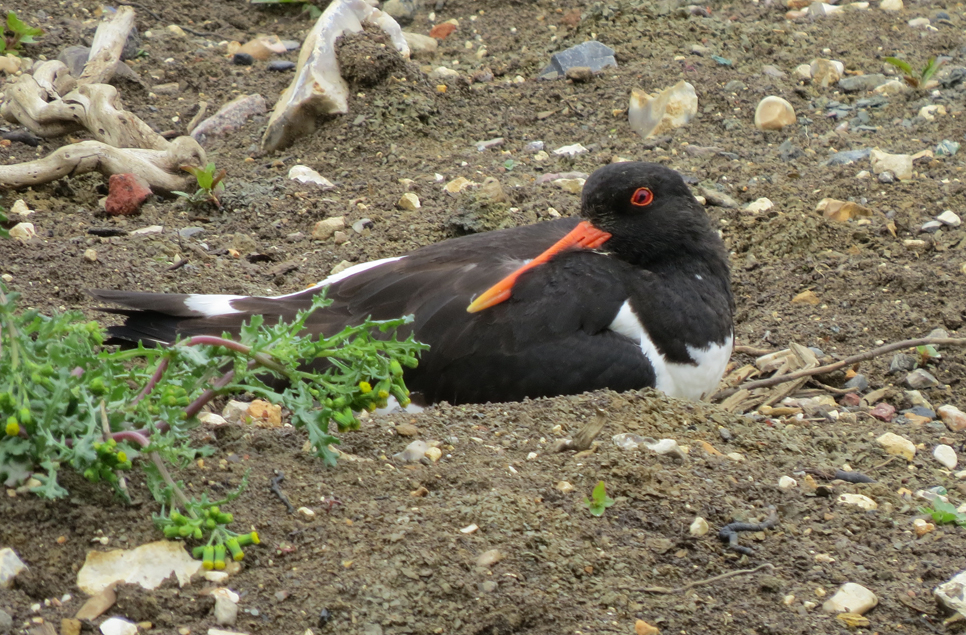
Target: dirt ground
385, 561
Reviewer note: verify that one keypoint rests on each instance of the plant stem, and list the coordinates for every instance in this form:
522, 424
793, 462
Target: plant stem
166, 476
264, 359
155, 378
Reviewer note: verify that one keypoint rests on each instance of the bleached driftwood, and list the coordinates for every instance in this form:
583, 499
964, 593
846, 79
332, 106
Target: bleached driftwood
50, 103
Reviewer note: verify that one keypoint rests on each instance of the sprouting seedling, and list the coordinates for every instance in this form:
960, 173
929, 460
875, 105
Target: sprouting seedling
599, 500
3, 219
944, 513
209, 184
921, 78
17, 33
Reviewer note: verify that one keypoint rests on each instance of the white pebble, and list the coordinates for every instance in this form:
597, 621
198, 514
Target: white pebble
946, 455
787, 482
699, 527
851, 598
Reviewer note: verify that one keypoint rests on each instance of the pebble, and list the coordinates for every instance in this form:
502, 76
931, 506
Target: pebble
421, 45
658, 113
10, 64
883, 412
891, 87
564, 487
847, 157
574, 186
643, 628
946, 455
699, 527
407, 430
787, 482
97, 604
921, 378
242, 59
443, 73
10, 566
826, 72
326, 228
579, 74
949, 218
408, 201
489, 144
891, 5
570, 151
458, 184
231, 116
931, 226
947, 148
901, 362
897, 445
279, 66
434, 454
887, 177
760, 205
533, 147
931, 111
469, 529
856, 83
19, 208
306, 513
851, 598
402, 11
950, 593
118, 626
127, 192
489, 558
900, 165
918, 22
859, 382
23, 232
774, 113
413, 452
857, 500
922, 527
717, 198
591, 54
305, 174
953, 417
803, 72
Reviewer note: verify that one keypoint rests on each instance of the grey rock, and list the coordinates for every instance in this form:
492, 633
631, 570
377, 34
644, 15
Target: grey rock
131, 45
533, 147
591, 54
902, 363
788, 151
856, 83
859, 382
242, 59
718, 199
939, 333
922, 411
947, 148
188, 232
280, 65
402, 11
921, 378
772, 71
930, 226
887, 177
74, 58
848, 156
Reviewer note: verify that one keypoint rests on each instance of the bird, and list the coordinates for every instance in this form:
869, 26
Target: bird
634, 294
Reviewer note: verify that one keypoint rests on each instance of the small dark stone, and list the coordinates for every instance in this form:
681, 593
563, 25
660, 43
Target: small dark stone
859, 382
242, 59
280, 65
902, 363
325, 616
922, 411
770, 584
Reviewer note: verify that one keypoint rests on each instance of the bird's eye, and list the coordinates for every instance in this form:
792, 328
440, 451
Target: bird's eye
642, 197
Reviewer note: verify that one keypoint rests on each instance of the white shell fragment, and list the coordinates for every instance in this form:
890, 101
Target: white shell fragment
148, 565
318, 87
305, 174
654, 114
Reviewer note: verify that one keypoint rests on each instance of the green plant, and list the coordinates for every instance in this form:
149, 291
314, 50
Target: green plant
67, 402
210, 184
944, 513
599, 501
917, 79
16, 34
3, 219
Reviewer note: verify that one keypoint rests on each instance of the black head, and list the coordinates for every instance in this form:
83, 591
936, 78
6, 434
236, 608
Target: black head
649, 211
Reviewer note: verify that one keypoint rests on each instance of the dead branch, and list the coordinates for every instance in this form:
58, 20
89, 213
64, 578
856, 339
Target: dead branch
106, 49
717, 578
848, 361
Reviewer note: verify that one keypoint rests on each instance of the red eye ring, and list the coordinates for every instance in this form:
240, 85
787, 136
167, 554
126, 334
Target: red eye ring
642, 197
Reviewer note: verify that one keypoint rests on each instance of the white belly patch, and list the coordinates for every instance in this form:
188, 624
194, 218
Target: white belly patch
690, 381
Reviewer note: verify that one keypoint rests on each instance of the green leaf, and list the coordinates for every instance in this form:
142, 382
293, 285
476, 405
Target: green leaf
932, 67
3, 217
599, 500
900, 64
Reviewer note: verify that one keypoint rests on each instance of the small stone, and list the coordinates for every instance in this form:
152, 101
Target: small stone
951, 593
68, 626
899, 165
10, 566
918, 23
591, 54
883, 412
226, 606
841, 211
699, 527
421, 45
490, 144
953, 417
826, 72
413, 452
758, 206
407, 430
947, 148
265, 413
579, 74
774, 113
946, 455
643, 628
489, 586
362, 226
23, 232
211, 419
434, 454
921, 378
931, 111
897, 445
807, 297
803, 72
859, 383
19, 208
242, 59
176, 30
851, 598
891, 87
655, 114
574, 186
469, 529
402, 11
930, 227
280, 66
857, 500
857, 83
118, 626
458, 184
717, 198
306, 513
10, 64
326, 228
408, 201
127, 193
305, 174
97, 604
489, 558
891, 5
949, 218
442, 31
235, 411
923, 527
887, 177
564, 487
570, 151
787, 482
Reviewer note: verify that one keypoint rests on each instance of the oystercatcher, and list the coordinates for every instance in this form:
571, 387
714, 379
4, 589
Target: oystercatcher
637, 294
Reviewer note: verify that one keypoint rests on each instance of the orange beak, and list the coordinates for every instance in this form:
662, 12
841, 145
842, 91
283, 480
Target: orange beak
583, 236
